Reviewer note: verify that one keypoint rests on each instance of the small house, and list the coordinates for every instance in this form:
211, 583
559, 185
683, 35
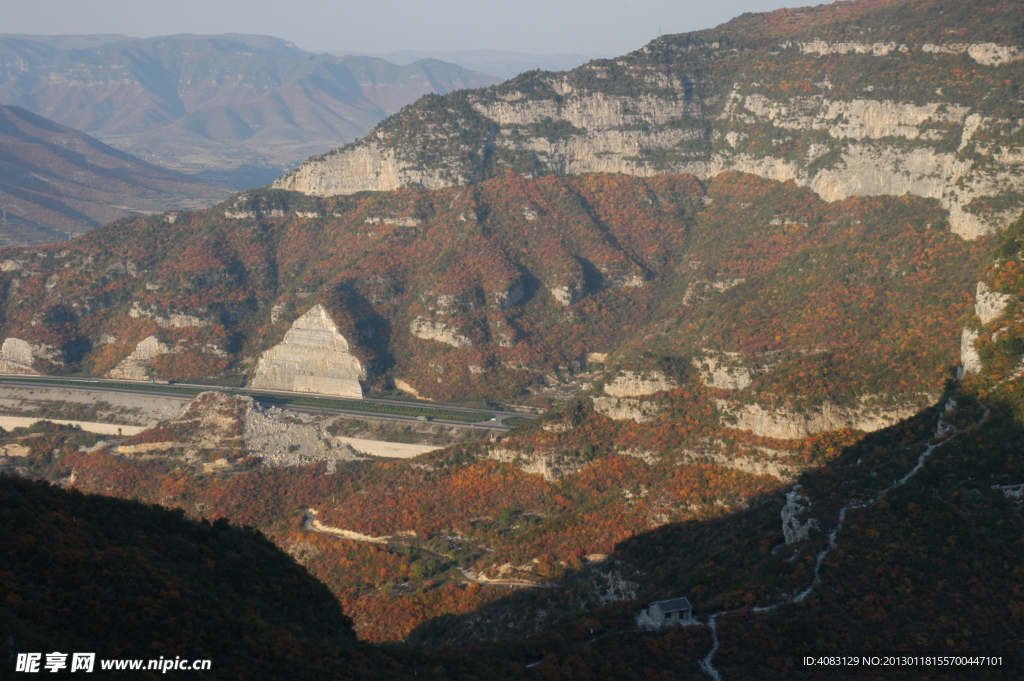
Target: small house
664, 613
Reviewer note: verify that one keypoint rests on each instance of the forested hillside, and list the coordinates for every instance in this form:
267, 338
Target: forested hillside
92, 574
511, 285
799, 407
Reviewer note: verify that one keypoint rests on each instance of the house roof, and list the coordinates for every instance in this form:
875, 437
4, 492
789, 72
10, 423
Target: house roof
672, 605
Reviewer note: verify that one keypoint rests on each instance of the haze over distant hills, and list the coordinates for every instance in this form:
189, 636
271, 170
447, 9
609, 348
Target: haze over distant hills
56, 181
235, 108
495, 62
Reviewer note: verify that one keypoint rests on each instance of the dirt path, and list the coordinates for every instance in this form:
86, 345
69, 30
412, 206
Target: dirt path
9, 422
313, 525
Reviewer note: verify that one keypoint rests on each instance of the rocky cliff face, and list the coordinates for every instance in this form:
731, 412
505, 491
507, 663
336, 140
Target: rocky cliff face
626, 408
810, 105
783, 424
989, 306
438, 331
313, 358
17, 357
635, 384
134, 366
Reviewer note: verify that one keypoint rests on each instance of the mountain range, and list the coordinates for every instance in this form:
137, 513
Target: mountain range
56, 182
238, 108
763, 282
850, 100
502, 63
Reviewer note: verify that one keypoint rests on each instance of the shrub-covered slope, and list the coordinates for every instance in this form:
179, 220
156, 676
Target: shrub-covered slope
93, 574
514, 285
907, 543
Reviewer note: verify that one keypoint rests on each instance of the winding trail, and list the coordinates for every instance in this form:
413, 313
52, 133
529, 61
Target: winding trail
313, 525
943, 430
705, 664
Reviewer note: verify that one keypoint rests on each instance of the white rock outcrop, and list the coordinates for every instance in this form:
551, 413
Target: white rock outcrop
313, 358
970, 360
134, 366
551, 465
989, 304
989, 54
567, 294
823, 48
438, 331
541, 464
759, 461
722, 371
782, 424
633, 384
172, 321
16, 357
626, 408
794, 527
365, 167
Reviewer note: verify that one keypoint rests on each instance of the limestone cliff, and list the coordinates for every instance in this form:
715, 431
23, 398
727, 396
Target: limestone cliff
794, 527
722, 370
689, 104
313, 358
626, 408
783, 424
970, 359
16, 357
989, 304
634, 384
133, 367
172, 320
438, 331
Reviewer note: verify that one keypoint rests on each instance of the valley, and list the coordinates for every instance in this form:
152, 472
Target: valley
231, 109
735, 317
56, 182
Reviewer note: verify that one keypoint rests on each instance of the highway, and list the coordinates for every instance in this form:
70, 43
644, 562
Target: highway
304, 402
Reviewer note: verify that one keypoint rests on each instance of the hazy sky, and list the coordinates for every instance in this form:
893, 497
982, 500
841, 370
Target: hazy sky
592, 27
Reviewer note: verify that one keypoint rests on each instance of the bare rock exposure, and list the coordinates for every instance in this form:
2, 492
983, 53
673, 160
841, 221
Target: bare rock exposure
313, 358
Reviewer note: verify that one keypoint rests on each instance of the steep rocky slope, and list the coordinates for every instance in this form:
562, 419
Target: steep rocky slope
239, 107
851, 99
56, 182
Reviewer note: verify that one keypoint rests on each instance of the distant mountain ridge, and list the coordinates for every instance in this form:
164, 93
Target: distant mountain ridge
868, 98
501, 63
243, 105
57, 182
